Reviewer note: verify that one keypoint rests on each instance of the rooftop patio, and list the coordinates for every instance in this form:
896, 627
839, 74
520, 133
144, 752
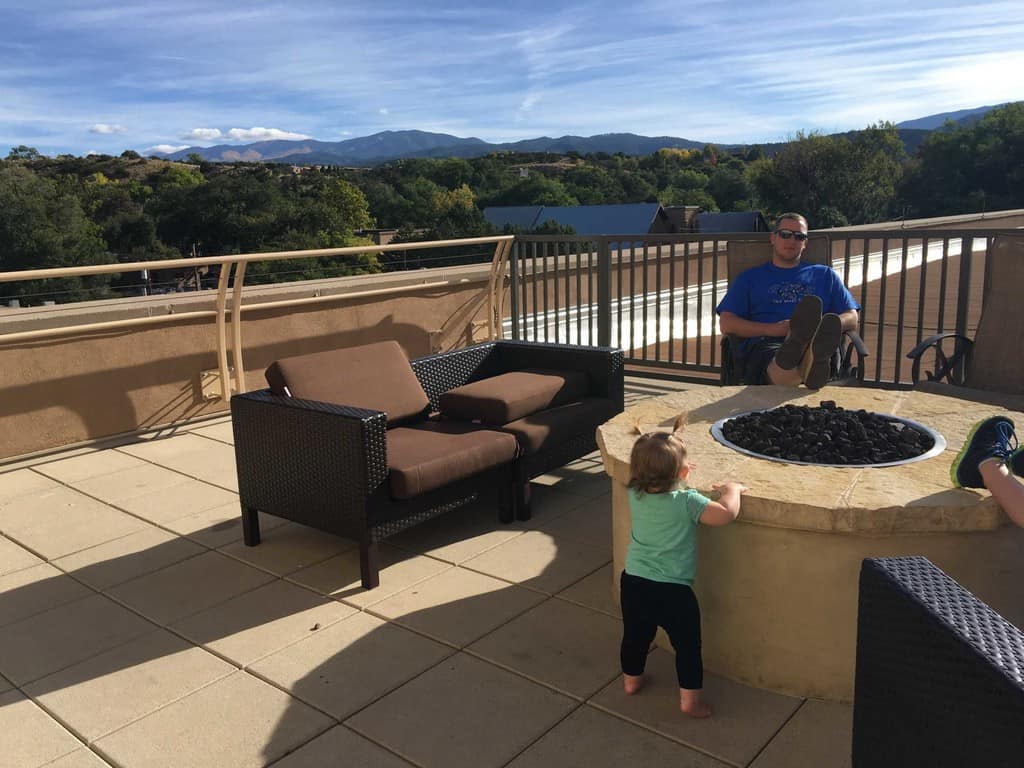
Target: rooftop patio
135, 625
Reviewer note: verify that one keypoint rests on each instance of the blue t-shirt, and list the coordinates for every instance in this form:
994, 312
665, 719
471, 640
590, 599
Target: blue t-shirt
663, 535
768, 294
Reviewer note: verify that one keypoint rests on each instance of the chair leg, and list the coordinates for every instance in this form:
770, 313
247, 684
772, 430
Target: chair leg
522, 500
369, 563
250, 526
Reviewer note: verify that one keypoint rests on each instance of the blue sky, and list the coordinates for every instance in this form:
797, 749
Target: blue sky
81, 76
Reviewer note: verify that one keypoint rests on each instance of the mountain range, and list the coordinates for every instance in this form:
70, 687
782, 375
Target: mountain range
392, 145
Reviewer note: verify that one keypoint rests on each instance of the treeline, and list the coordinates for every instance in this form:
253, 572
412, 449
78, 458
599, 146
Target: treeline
69, 211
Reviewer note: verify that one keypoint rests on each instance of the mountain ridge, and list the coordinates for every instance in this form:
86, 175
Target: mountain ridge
386, 146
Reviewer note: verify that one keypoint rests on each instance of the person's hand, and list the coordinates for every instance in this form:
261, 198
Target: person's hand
730, 486
781, 328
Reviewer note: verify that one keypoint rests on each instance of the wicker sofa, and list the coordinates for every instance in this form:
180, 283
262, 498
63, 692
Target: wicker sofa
363, 443
940, 675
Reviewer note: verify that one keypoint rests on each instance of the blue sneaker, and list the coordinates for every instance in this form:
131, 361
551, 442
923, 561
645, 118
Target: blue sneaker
991, 438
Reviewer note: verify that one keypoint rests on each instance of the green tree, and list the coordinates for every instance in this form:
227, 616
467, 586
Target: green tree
21, 152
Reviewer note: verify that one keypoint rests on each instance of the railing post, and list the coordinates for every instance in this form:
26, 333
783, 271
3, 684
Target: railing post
604, 293
513, 274
963, 294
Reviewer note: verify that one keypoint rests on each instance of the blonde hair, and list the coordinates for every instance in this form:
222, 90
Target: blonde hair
657, 460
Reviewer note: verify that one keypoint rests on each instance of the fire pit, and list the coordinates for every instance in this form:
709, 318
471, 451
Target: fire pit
829, 436
778, 588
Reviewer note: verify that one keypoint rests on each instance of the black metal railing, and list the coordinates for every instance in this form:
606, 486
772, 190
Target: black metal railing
655, 295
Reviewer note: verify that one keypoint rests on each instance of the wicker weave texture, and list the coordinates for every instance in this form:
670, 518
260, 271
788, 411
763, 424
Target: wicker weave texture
939, 673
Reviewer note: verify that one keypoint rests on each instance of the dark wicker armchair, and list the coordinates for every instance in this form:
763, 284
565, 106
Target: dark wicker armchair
940, 675
336, 467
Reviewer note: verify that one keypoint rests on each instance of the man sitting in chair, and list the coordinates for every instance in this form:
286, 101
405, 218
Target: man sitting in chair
777, 311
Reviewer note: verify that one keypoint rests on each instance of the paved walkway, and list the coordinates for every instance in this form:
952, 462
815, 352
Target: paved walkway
137, 630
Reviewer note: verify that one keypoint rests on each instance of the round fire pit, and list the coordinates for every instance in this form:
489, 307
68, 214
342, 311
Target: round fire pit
828, 436
778, 588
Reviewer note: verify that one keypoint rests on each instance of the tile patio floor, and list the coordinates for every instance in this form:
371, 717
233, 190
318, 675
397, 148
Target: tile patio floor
136, 630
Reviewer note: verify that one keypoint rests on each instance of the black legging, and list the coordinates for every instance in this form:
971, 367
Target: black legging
647, 605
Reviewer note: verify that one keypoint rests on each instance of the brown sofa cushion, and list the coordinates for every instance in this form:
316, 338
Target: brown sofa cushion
433, 454
510, 396
558, 424
376, 376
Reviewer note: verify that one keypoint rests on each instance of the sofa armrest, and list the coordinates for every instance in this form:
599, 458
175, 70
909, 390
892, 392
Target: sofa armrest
312, 462
940, 675
447, 370
604, 366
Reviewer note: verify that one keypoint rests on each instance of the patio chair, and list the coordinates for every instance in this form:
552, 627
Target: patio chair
940, 675
988, 368
741, 256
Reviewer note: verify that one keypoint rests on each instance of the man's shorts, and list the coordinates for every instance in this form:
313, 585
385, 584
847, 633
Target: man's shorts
751, 360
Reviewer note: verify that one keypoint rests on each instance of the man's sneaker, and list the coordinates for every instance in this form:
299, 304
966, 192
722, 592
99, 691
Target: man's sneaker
819, 354
1017, 462
991, 438
802, 325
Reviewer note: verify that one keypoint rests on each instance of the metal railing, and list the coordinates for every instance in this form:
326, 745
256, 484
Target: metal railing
232, 274
655, 295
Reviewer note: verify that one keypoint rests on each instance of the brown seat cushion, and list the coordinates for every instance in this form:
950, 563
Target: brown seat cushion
376, 376
510, 396
433, 454
534, 431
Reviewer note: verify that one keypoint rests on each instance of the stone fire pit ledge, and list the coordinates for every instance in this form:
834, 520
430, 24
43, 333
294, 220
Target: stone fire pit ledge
912, 498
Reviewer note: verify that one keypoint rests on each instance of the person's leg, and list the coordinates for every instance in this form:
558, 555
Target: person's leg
991, 438
638, 630
1006, 489
785, 368
814, 368
681, 620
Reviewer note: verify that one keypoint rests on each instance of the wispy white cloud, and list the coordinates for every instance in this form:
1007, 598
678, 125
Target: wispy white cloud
382, 111
263, 134
106, 129
202, 134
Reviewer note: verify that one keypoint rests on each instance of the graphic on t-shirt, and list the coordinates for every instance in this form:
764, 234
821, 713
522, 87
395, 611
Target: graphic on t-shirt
788, 293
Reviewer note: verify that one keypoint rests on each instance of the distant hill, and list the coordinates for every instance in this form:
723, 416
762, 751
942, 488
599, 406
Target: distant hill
392, 145
960, 117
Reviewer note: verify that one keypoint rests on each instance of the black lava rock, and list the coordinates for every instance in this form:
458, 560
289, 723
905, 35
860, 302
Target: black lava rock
827, 434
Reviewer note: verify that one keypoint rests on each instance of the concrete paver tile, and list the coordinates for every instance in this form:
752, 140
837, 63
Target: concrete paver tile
22, 482
255, 624
218, 526
219, 431
351, 663
459, 535
42, 644
188, 497
590, 522
541, 561
339, 576
157, 448
127, 483
548, 503
60, 521
87, 465
595, 591
14, 557
324, 751
112, 689
744, 720
30, 738
287, 548
188, 587
5, 684
83, 758
573, 649
129, 557
589, 738
457, 606
819, 734
238, 721
462, 713
35, 590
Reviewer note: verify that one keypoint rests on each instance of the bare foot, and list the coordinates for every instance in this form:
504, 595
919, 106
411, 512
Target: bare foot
632, 683
691, 704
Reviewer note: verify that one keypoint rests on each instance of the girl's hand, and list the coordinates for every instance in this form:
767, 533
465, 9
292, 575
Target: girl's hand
731, 485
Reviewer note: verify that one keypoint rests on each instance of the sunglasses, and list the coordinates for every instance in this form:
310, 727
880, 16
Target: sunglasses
786, 234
